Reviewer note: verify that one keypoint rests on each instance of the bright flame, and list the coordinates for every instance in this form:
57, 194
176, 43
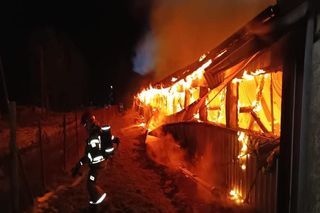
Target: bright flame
220, 54
216, 106
173, 79
243, 140
167, 101
243, 155
202, 57
235, 196
255, 89
256, 106
236, 80
258, 72
259, 106
142, 124
249, 76
243, 167
259, 101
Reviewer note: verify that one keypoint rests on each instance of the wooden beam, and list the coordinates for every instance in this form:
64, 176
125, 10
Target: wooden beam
203, 109
232, 105
259, 122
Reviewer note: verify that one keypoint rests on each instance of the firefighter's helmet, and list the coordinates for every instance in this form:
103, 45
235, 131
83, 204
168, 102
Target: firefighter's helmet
86, 117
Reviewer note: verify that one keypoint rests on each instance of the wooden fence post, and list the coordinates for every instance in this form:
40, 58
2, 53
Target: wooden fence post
14, 159
64, 144
26, 182
77, 136
43, 176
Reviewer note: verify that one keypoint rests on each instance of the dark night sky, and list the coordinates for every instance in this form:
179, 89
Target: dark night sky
85, 46
104, 33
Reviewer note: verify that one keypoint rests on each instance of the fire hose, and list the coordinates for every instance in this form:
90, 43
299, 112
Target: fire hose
196, 179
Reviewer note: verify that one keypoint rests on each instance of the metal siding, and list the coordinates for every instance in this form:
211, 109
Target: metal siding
197, 135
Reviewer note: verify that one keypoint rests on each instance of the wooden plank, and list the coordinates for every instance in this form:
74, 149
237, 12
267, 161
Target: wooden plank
14, 159
232, 105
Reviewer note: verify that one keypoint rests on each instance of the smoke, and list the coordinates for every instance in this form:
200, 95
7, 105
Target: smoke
208, 171
204, 164
143, 62
185, 29
165, 150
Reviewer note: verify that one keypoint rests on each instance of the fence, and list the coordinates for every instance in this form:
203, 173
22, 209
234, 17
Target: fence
47, 161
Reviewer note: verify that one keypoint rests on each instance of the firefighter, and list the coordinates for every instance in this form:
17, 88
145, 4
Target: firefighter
93, 157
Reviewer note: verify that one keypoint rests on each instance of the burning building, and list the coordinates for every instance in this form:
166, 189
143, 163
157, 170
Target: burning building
241, 98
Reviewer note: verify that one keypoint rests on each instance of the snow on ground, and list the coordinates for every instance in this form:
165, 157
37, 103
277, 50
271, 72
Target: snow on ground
129, 183
27, 123
133, 182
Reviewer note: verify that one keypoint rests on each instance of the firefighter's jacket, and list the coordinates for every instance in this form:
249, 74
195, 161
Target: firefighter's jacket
93, 153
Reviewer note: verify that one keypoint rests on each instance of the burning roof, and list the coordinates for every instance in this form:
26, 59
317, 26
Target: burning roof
198, 91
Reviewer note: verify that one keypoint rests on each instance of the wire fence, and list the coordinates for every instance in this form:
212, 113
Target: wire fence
47, 161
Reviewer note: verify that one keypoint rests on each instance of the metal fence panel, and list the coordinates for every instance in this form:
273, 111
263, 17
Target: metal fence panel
196, 136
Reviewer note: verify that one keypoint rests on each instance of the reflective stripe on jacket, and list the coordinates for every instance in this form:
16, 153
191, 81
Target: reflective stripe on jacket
94, 151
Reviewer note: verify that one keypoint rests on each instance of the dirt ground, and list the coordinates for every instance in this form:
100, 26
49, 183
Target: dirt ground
133, 182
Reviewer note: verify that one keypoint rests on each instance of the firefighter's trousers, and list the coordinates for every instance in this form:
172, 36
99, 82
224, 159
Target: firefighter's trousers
95, 192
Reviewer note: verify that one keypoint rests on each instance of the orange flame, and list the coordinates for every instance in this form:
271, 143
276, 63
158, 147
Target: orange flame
236, 196
170, 100
249, 76
243, 155
256, 110
202, 57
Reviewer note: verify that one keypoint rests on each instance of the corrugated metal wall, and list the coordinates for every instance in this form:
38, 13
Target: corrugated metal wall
195, 137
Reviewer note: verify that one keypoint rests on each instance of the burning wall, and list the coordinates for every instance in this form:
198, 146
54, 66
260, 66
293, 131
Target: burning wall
258, 95
229, 101
247, 101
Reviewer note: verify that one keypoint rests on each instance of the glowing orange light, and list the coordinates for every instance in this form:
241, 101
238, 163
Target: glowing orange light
243, 167
220, 54
196, 115
169, 100
142, 124
247, 76
173, 79
235, 196
250, 76
202, 57
258, 72
243, 154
